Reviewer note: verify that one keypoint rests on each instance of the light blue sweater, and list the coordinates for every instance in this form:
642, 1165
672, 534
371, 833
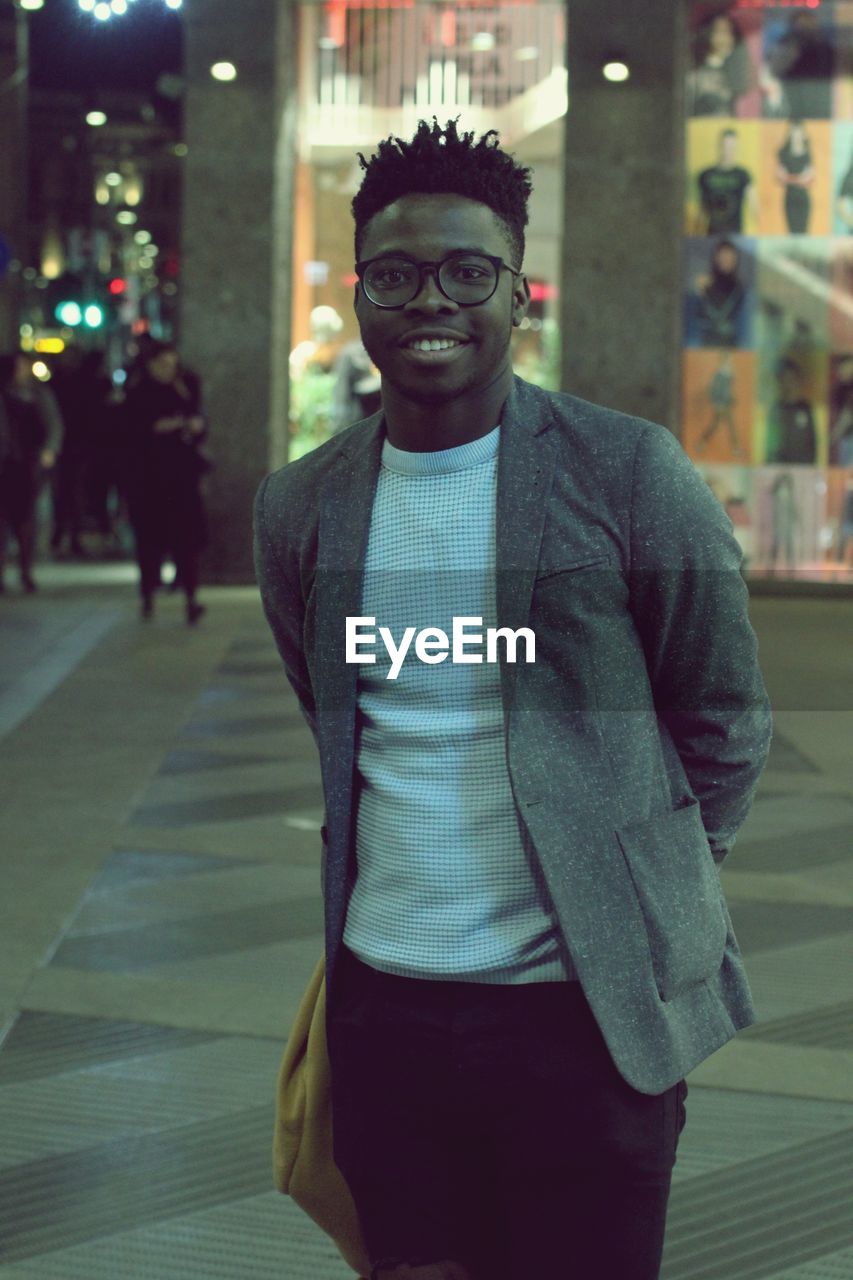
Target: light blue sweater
448, 886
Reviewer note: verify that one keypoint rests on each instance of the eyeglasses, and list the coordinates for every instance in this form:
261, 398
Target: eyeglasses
465, 278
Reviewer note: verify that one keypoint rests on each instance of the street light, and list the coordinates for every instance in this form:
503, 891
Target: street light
103, 10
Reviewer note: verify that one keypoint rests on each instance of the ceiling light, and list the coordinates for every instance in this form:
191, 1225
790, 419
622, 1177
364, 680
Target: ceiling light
616, 71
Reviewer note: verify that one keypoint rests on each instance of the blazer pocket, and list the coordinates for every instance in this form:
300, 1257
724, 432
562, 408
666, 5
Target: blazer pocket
548, 574
679, 891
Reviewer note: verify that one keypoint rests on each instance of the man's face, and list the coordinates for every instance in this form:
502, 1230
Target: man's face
722, 36
164, 366
726, 259
427, 228
728, 148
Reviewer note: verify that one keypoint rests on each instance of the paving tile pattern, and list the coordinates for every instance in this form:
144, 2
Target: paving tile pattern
141, 1151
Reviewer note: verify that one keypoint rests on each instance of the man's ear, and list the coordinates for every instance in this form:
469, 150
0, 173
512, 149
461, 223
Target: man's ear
521, 299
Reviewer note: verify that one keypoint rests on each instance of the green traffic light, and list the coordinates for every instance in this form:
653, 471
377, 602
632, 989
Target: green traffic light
69, 313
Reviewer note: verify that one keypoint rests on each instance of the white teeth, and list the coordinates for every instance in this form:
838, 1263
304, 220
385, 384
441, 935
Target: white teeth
433, 344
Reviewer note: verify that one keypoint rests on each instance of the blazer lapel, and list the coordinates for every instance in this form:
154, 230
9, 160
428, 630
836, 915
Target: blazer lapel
526, 459
346, 504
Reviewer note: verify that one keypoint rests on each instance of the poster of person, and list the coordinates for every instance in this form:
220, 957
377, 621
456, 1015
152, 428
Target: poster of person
725, 56
793, 291
841, 410
789, 519
842, 97
723, 162
841, 296
718, 405
798, 64
732, 487
719, 292
839, 501
767, 366
795, 183
842, 180
791, 425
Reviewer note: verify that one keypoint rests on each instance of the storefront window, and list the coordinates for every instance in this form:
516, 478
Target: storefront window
371, 70
768, 289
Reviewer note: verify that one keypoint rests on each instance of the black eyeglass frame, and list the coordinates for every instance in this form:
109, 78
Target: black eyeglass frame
496, 261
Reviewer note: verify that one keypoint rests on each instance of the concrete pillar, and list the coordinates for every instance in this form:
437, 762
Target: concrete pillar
13, 166
623, 207
235, 311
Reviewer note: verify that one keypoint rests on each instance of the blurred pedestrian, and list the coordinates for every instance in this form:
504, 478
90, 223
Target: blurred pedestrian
357, 386
81, 388
25, 440
165, 462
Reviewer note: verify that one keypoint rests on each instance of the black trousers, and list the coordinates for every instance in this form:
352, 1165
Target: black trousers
488, 1126
153, 544
19, 490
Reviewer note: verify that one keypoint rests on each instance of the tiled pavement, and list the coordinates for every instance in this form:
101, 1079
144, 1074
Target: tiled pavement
160, 850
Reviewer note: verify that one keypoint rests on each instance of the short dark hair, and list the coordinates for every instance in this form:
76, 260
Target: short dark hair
440, 161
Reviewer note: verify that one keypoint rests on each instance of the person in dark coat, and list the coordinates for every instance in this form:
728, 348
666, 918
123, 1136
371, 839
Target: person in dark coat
23, 451
164, 431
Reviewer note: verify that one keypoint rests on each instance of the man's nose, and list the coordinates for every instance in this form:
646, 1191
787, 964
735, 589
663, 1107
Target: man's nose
429, 294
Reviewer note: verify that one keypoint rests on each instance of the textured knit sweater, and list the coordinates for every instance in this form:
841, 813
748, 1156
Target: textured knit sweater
448, 885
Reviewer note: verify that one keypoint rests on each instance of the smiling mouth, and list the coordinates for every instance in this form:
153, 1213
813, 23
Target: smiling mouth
430, 354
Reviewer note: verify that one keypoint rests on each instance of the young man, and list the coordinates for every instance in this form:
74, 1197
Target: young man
527, 946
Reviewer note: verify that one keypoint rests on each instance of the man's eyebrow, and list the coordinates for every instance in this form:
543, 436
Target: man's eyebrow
410, 257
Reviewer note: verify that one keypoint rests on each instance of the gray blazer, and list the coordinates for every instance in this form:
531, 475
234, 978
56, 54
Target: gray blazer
634, 742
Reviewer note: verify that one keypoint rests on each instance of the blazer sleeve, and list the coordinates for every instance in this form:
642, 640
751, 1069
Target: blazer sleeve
690, 606
277, 572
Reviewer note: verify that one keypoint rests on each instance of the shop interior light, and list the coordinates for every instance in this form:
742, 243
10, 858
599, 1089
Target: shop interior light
102, 12
125, 217
86, 5
615, 70
118, 6
31, 4
223, 71
112, 179
96, 119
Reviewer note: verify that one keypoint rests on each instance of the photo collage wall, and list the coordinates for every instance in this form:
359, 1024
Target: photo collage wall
767, 412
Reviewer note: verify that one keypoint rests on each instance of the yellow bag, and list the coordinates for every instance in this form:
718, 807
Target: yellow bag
303, 1164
